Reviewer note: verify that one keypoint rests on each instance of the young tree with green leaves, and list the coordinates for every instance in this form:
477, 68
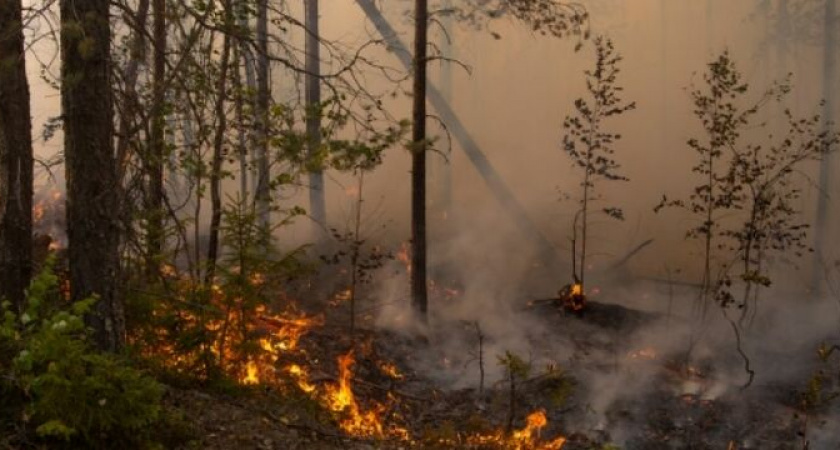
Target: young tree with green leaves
746, 203
591, 146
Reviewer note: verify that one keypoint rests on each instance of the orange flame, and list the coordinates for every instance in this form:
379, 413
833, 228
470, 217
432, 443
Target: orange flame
340, 399
252, 374
526, 438
404, 256
301, 378
388, 368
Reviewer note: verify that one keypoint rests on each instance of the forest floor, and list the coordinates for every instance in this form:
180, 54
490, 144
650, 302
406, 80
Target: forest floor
639, 398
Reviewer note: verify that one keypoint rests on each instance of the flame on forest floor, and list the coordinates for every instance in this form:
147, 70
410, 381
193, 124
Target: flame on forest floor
301, 377
390, 369
287, 330
525, 438
340, 399
48, 217
251, 374
573, 297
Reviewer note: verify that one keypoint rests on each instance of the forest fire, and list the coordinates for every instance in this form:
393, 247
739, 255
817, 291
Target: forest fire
391, 370
404, 256
48, 217
315, 239
572, 297
527, 438
301, 377
341, 400
290, 328
251, 374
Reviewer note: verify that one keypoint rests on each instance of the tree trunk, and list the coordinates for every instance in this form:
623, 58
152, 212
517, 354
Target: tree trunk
262, 193
15, 159
92, 187
313, 118
829, 83
419, 293
127, 128
445, 167
218, 156
157, 150
544, 248
239, 109
251, 82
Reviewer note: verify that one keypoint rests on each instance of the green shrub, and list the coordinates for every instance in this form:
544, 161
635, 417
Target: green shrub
60, 386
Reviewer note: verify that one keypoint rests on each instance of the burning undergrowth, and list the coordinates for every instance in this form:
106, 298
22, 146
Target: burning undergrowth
495, 368
363, 383
644, 376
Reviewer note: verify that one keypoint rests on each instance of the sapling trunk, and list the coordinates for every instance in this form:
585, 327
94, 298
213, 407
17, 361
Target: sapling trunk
356, 251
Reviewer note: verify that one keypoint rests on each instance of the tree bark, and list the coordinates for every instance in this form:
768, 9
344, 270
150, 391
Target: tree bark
15, 159
263, 196
127, 128
218, 156
317, 203
825, 185
419, 287
157, 138
251, 82
92, 188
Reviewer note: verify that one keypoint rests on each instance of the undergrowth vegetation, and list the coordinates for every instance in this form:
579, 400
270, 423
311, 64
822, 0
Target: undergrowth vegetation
54, 382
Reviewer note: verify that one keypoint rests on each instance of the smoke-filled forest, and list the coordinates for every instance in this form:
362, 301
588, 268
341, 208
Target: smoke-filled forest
446, 224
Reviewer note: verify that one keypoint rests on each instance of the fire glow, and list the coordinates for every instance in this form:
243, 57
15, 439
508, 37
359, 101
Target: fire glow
527, 438
340, 399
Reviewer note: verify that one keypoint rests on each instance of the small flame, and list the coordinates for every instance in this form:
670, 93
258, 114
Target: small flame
404, 256
252, 374
573, 297
526, 438
390, 369
340, 399
301, 378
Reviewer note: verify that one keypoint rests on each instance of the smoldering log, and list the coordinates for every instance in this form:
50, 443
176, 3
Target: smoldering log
546, 249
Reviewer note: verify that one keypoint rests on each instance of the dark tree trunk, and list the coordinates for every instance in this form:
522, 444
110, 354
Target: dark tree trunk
263, 195
218, 154
15, 159
317, 202
157, 147
547, 254
92, 188
419, 295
